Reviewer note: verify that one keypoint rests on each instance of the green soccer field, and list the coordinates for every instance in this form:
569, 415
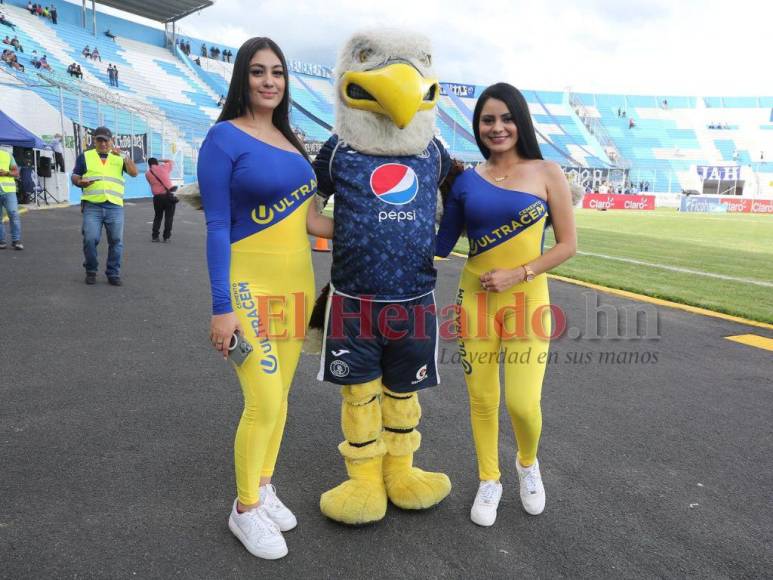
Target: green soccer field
677, 256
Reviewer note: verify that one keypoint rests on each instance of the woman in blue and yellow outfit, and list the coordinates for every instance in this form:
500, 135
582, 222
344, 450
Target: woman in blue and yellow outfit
505, 204
257, 188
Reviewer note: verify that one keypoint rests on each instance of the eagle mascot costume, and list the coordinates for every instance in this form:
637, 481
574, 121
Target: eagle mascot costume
384, 166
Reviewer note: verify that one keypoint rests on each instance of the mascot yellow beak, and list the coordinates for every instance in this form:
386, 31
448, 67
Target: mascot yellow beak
396, 90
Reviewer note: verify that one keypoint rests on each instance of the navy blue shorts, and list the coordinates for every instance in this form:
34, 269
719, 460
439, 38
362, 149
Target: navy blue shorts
365, 340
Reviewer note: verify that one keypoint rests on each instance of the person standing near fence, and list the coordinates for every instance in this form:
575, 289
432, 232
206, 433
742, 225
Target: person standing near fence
163, 195
99, 172
8, 200
56, 146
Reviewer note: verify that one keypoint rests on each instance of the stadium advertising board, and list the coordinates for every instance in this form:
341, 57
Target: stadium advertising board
718, 172
593, 178
457, 89
306, 68
312, 147
137, 143
617, 201
718, 204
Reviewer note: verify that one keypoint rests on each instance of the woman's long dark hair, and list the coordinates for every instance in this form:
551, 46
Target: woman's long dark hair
237, 102
526, 145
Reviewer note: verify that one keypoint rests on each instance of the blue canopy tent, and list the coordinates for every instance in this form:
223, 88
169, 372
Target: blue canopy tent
11, 133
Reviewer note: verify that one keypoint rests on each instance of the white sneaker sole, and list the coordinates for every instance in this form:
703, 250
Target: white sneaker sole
273, 553
533, 510
481, 522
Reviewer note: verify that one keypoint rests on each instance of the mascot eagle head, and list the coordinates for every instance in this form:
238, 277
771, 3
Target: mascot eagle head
386, 93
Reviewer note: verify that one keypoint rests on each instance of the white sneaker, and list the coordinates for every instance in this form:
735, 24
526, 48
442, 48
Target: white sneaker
484, 508
275, 509
258, 533
532, 490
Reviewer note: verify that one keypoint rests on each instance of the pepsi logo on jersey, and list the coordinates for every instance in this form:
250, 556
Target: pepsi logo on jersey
394, 183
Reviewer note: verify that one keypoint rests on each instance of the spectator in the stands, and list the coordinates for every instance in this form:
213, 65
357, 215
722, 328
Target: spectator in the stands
203, 50
35, 61
9, 58
212, 52
7, 39
45, 12
95, 54
78, 71
631, 124
38, 9
221, 101
665, 103
16, 44
44, 63
54, 14
86, 52
109, 34
6, 22
198, 61
31, 8
111, 74
115, 75
619, 112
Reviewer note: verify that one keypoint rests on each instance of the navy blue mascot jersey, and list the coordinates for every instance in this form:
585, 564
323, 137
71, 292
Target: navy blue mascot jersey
384, 241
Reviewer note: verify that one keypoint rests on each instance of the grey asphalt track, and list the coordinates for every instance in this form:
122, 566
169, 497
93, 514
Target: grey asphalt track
117, 424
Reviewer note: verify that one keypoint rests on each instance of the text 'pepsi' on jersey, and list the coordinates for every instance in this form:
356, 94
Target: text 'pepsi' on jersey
384, 239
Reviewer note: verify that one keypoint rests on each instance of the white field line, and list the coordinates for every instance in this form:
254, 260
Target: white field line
681, 270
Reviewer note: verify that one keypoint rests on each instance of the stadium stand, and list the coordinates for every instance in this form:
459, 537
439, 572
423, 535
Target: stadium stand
164, 93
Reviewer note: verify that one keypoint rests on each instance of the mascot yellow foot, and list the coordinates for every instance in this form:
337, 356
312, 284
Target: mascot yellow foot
362, 498
408, 487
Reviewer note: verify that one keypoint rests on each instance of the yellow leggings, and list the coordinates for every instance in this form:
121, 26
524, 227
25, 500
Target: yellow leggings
521, 344
278, 288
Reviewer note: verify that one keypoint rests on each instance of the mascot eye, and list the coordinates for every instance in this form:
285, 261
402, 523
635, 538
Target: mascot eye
364, 54
426, 59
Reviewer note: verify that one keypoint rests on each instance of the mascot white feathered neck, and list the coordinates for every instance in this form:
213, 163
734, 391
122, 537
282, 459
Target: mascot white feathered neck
403, 91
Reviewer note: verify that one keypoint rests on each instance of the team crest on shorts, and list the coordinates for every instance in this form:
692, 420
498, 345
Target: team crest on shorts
339, 368
421, 374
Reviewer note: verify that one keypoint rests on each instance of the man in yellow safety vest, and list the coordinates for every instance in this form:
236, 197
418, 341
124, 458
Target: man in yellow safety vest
8, 200
99, 173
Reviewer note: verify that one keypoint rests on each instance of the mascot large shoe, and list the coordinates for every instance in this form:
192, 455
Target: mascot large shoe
384, 166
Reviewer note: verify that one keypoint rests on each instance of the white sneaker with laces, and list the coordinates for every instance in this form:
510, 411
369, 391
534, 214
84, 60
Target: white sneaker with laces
276, 510
532, 490
484, 508
258, 533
